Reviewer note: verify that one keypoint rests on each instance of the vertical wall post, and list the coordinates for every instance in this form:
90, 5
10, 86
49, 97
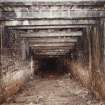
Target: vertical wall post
1, 46
97, 48
0, 49
97, 59
32, 66
1, 74
23, 49
104, 46
88, 31
103, 43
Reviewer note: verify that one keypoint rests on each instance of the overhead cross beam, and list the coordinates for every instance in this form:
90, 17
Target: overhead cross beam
52, 48
52, 2
52, 53
43, 34
59, 50
52, 45
59, 14
51, 40
47, 27
29, 3
55, 50
66, 42
46, 22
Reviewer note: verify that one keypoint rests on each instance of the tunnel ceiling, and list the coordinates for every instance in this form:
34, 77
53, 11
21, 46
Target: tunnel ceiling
52, 28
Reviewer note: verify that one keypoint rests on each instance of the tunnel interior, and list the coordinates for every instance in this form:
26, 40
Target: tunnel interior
51, 66
62, 64
52, 39
49, 63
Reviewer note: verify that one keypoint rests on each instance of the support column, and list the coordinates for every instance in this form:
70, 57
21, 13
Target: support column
104, 45
88, 31
97, 48
2, 97
32, 67
1, 39
27, 49
1, 46
23, 49
98, 80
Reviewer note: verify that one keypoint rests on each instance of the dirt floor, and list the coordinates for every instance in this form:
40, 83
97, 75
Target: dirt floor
53, 91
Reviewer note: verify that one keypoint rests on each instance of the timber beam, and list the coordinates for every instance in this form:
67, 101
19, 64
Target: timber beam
56, 50
47, 27
66, 42
52, 53
51, 39
52, 34
52, 48
56, 40
52, 45
59, 14
49, 22
52, 2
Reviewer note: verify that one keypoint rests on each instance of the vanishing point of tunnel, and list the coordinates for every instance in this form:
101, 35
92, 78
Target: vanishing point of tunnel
52, 52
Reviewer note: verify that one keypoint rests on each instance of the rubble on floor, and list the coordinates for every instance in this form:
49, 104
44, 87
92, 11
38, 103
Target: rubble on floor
53, 91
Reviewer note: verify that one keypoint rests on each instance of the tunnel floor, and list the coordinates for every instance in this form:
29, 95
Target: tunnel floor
55, 91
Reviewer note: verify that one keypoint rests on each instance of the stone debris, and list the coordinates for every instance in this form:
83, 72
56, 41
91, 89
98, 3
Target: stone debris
53, 92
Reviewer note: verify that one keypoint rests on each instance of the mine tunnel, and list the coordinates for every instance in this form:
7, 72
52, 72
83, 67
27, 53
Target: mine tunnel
52, 59
53, 54
47, 48
49, 65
